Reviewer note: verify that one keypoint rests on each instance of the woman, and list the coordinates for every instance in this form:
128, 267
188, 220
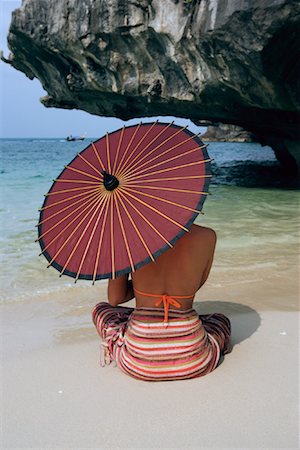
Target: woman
163, 338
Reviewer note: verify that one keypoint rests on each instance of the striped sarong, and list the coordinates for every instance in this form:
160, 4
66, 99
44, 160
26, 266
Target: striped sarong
146, 348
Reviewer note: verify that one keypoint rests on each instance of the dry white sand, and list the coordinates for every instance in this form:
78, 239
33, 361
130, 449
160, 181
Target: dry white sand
55, 394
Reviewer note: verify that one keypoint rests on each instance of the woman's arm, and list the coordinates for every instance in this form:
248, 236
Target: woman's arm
119, 290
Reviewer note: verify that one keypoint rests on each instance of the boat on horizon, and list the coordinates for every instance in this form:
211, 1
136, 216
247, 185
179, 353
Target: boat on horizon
71, 138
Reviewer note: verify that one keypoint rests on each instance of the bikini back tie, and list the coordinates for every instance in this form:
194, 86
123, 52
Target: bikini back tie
166, 300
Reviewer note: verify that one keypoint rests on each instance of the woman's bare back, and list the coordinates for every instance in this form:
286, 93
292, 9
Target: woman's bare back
182, 344
179, 271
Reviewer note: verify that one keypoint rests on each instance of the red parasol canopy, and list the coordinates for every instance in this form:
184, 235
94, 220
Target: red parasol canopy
124, 200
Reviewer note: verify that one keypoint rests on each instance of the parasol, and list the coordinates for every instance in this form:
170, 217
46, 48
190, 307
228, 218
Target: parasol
124, 200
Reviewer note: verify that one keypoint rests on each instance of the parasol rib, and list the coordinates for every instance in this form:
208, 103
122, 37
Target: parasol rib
62, 180
146, 220
66, 217
68, 198
137, 145
112, 238
157, 211
63, 191
98, 156
107, 201
131, 168
89, 164
108, 153
162, 200
83, 173
80, 238
160, 188
187, 177
151, 142
138, 171
124, 233
118, 149
67, 207
72, 233
127, 148
182, 166
89, 241
136, 229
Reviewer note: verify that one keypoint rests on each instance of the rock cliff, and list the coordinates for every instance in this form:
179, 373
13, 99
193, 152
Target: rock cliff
228, 61
227, 133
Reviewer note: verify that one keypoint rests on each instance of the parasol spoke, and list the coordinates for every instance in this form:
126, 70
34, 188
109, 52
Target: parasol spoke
89, 164
107, 202
181, 155
160, 188
83, 173
137, 145
131, 168
123, 232
89, 241
98, 156
144, 218
73, 231
90, 195
80, 239
88, 203
151, 142
118, 149
157, 211
182, 166
63, 180
64, 191
136, 229
112, 238
163, 199
128, 147
69, 198
108, 153
186, 177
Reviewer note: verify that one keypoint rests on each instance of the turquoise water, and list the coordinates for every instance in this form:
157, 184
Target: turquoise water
253, 210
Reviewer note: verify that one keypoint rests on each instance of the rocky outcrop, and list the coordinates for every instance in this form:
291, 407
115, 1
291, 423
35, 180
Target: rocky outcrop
227, 133
228, 61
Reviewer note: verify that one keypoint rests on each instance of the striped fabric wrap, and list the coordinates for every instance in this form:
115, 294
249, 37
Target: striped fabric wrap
146, 348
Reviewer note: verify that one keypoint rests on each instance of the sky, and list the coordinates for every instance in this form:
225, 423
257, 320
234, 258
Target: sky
22, 114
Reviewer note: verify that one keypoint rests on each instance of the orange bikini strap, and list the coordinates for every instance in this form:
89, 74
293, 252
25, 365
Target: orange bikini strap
167, 300
160, 295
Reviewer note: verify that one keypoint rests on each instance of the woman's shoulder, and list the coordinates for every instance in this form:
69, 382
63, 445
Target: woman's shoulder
199, 238
203, 233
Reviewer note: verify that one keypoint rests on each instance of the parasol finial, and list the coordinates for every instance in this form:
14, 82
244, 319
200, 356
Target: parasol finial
110, 181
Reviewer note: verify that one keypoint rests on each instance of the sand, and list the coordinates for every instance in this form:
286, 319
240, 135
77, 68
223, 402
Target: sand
55, 394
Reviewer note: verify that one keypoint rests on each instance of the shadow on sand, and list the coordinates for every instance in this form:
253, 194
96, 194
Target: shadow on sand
244, 320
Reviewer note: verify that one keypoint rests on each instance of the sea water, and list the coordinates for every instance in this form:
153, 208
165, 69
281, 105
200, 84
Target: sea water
253, 209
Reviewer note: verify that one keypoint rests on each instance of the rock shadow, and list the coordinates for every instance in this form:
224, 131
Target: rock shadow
262, 174
244, 320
